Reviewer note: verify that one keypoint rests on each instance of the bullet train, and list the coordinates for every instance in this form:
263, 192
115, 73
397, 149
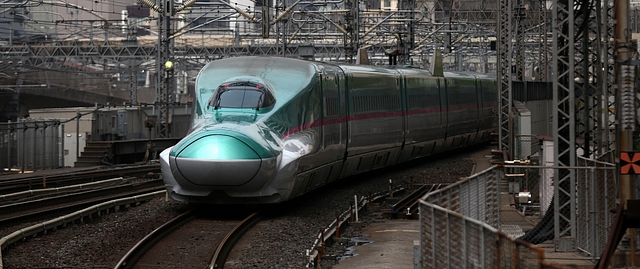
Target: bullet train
265, 130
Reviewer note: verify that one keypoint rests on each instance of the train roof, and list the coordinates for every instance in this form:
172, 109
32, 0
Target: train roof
289, 75
410, 70
469, 75
258, 66
352, 68
261, 65
278, 72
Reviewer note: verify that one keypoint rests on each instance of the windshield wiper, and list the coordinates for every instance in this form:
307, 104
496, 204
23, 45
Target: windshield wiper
260, 101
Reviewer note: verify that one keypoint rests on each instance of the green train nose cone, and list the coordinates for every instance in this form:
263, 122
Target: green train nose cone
218, 147
218, 160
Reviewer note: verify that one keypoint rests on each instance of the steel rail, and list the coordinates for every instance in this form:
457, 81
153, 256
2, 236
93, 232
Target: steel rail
224, 248
413, 207
8, 213
135, 253
10, 183
407, 201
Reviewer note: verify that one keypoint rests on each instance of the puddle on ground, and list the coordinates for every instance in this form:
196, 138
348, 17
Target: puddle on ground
354, 242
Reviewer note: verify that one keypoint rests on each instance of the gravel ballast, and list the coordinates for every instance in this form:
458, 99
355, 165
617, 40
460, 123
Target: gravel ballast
280, 241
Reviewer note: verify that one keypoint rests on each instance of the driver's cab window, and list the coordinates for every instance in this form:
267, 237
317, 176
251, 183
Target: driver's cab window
241, 95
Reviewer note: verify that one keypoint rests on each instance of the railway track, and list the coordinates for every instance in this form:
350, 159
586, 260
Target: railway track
407, 207
66, 202
213, 237
298, 229
17, 183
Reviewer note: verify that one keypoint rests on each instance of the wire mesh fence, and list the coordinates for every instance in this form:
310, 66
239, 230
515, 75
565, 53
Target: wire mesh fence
476, 197
451, 240
459, 228
593, 194
599, 188
526, 146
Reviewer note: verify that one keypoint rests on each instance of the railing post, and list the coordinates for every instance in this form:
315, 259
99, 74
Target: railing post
337, 226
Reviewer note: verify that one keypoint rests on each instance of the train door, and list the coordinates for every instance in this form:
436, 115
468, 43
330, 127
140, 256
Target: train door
444, 104
480, 103
475, 137
401, 80
334, 119
441, 135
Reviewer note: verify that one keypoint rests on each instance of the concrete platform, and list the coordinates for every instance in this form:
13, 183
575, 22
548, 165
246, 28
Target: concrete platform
391, 246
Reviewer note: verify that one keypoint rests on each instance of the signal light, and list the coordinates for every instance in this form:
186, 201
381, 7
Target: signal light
168, 65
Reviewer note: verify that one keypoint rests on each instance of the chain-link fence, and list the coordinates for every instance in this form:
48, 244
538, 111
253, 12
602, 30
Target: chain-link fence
527, 151
526, 147
592, 196
459, 228
477, 197
596, 194
30, 145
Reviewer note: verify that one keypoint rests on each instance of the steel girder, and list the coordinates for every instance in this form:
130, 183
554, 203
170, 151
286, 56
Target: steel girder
608, 139
165, 89
543, 45
504, 65
593, 77
522, 32
478, 11
583, 79
564, 125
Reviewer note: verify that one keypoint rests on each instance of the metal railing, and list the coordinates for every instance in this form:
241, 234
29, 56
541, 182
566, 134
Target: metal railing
459, 228
477, 197
451, 240
594, 193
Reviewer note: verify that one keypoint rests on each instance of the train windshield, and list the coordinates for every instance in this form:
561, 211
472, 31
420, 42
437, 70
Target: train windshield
241, 95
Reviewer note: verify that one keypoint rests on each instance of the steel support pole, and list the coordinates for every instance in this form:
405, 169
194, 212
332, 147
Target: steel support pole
625, 131
622, 54
564, 127
504, 63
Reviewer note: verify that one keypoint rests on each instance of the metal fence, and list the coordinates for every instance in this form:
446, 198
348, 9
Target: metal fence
458, 223
452, 240
594, 195
599, 188
31, 145
459, 228
477, 197
526, 146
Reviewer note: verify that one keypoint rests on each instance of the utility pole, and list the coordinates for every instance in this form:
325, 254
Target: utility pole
625, 92
164, 66
165, 83
409, 41
133, 83
352, 28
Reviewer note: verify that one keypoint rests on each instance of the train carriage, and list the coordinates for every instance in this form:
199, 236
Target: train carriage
268, 129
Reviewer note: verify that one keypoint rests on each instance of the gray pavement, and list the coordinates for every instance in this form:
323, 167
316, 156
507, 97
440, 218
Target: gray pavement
391, 246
